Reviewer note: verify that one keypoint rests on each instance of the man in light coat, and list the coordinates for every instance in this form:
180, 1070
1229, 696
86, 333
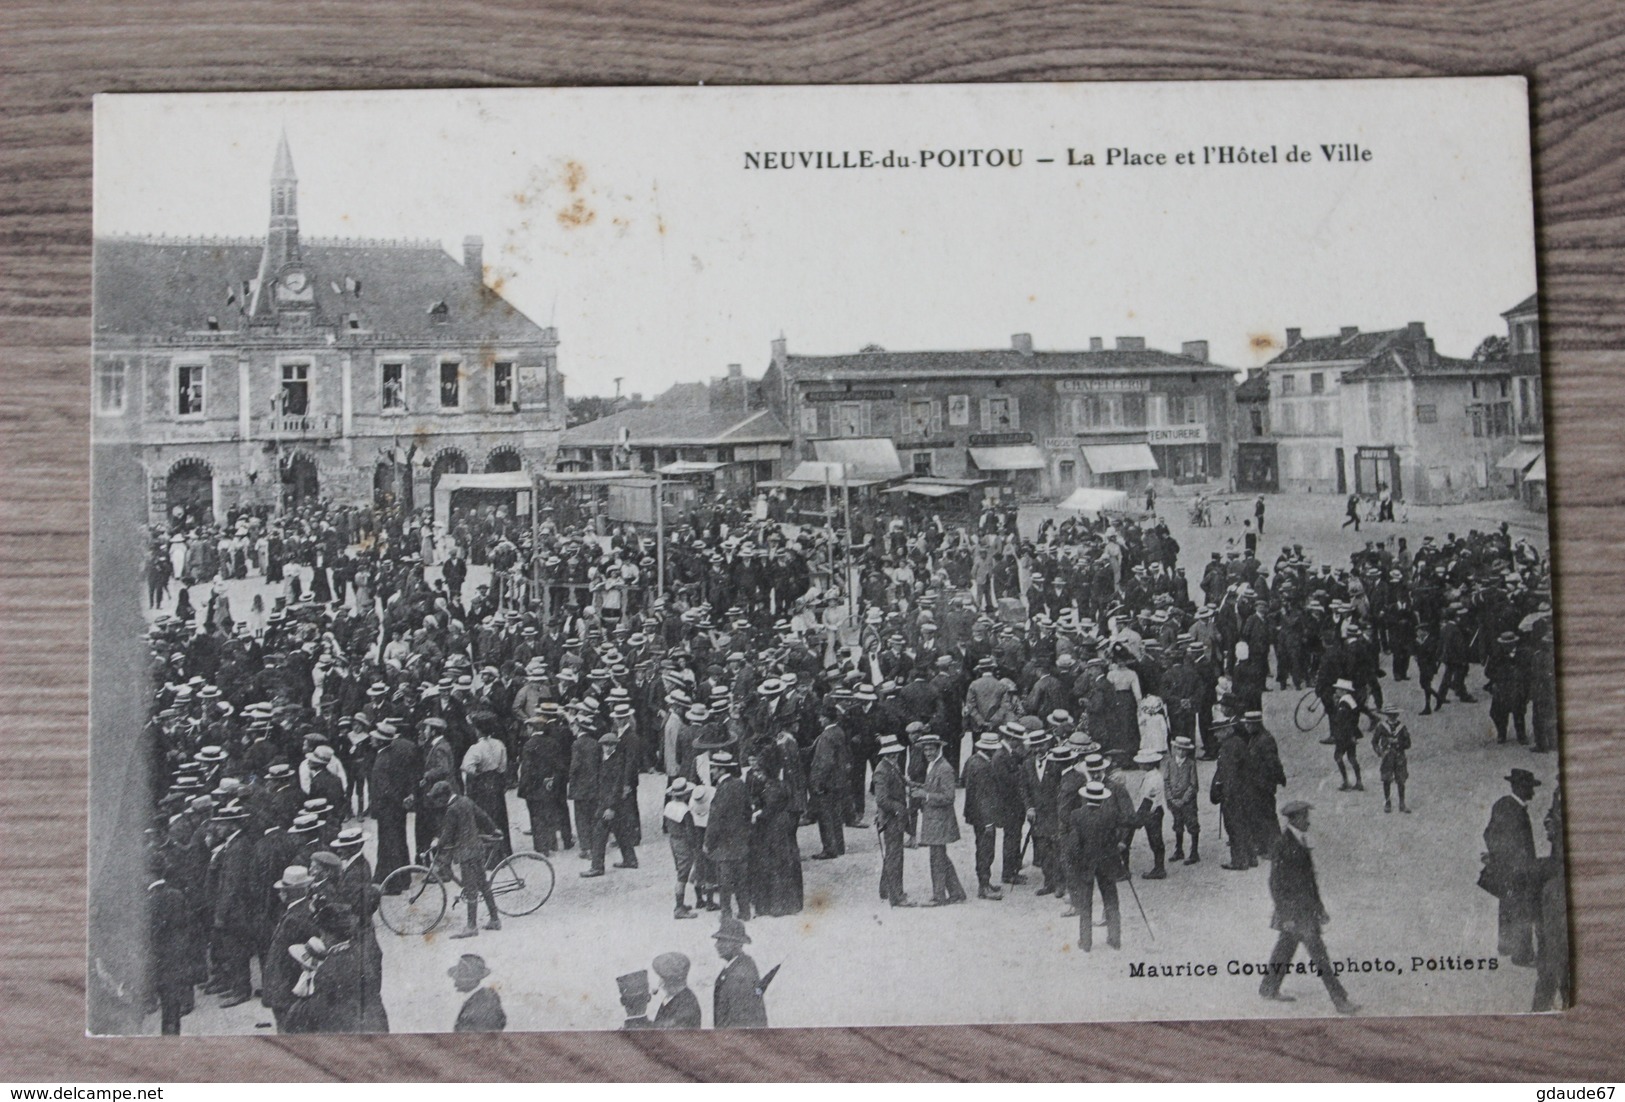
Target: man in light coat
938, 826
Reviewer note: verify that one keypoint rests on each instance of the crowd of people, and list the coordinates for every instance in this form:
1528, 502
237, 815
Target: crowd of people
1053, 693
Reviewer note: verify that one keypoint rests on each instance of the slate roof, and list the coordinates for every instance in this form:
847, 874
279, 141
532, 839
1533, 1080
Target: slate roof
1256, 388
1414, 361
871, 365
653, 426
1356, 346
1527, 306
155, 288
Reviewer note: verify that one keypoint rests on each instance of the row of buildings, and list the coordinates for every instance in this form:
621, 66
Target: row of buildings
277, 370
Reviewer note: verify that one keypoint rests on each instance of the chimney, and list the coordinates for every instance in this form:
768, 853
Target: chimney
780, 356
1416, 330
474, 258
1096, 344
1131, 344
1348, 331
1022, 342
736, 371
1194, 350
1293, 336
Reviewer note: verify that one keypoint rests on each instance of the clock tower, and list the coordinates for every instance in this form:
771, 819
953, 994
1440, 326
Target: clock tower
285, 282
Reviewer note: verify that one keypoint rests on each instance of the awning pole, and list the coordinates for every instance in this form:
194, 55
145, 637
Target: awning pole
660, 534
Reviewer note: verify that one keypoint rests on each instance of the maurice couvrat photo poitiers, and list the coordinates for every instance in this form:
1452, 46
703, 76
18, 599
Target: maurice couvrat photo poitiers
731, 558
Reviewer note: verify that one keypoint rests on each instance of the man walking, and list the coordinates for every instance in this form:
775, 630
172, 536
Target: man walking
1092, 832
1299, 914
1509, 864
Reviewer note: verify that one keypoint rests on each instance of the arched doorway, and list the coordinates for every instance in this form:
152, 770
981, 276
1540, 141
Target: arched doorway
392, 483
502, 460
301, 484
450, 461
189, 491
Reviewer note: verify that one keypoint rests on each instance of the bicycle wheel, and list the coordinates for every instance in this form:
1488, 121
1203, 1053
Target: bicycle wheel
522, 883
1308, 713
412, 900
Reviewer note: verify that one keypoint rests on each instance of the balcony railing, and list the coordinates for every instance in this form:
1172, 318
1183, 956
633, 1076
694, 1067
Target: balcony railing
288, 426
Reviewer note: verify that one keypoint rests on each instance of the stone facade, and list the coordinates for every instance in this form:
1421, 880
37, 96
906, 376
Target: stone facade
1041, 423
270, 372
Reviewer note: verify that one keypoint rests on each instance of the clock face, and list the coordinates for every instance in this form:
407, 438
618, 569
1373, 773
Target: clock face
296, 280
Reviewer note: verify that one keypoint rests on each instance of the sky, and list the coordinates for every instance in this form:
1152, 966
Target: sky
629, 219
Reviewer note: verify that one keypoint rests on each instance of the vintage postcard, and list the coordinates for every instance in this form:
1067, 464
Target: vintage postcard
710, 558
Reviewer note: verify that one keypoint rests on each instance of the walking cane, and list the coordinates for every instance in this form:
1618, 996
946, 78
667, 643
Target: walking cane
1141, 906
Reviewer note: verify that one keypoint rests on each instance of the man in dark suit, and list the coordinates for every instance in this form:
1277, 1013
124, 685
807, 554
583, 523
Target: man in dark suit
1092, 832
1509, 864
294, 926
615, 801
230, 886
727, 835
737, 1001
482, 1011
983, 812
396, 769
891, 813
680, 1009
1299, 914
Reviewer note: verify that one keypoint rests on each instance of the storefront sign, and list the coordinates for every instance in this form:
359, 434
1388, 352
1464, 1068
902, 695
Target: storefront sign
1061, 443
999, 439
1177, 434
848, 395
1075, 386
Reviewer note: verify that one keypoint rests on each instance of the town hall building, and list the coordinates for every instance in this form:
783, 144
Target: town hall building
284, 370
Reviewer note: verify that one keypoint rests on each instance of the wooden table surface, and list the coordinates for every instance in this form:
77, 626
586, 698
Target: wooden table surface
54, 56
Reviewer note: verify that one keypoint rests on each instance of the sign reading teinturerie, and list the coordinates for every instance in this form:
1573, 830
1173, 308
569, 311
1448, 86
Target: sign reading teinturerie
705, 558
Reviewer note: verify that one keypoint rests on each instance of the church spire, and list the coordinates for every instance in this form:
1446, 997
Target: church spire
282, 242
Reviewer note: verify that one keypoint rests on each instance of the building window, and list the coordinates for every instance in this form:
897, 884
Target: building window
809, 420
451, 385
998, 414
922, 464
1258, 421
110, 387
1427, 414
922, 419
1069, 473
1289, 384
189, 390
1317, 382
295, 396
1474, 385
502, 384
439, 313
1506, 388
392, 388
848, 419
1476, 415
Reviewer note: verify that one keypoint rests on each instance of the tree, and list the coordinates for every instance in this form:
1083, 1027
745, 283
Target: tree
1492, 349
591, 408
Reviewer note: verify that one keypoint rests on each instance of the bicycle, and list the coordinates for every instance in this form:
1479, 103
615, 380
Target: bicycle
1309, 712
412, 899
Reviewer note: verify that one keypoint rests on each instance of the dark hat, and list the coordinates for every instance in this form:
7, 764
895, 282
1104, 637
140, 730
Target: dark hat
1522, 775
634, 985
731, 930
469, 968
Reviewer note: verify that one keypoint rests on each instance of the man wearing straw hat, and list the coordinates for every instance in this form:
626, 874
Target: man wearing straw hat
982, 811
1093, 840
891, 814
938, 827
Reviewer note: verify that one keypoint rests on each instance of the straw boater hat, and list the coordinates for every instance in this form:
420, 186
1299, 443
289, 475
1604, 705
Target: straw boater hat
1148, 757
889, 744
1096, 793
988, 740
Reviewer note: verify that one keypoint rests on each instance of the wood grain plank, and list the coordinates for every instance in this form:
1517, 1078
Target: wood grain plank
56, 55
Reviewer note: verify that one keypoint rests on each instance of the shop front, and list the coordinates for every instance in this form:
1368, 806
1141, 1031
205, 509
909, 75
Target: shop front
1010, 460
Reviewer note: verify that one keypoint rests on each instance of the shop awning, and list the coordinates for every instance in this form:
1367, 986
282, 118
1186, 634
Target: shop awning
1537, 473
872, 457
1519, 458
1090, 500
1119, 458
812, 472
925, 487
1019, 457
691, 466
586, 476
